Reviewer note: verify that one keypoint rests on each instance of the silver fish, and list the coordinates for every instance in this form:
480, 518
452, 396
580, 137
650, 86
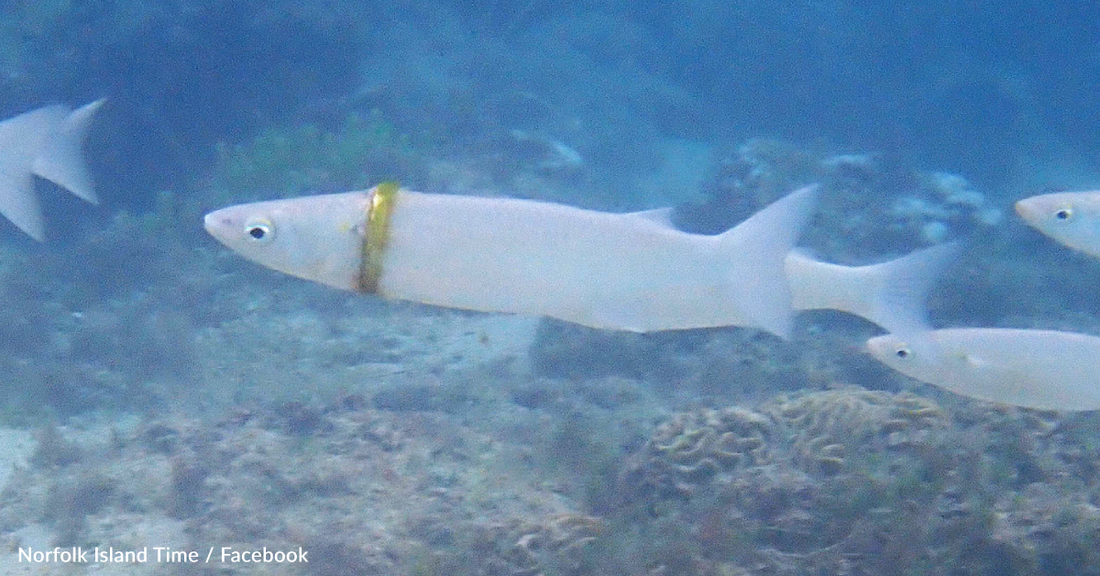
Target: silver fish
1071, 218
1042, 369
629, 271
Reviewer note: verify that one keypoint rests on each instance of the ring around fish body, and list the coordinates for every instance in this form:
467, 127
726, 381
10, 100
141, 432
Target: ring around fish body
631, 271
618, 271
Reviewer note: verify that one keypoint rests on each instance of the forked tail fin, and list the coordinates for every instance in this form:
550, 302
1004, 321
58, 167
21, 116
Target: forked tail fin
61, 159
758, 247
21, 139
890, 294
900, 287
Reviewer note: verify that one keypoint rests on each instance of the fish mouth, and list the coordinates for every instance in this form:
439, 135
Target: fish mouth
1025, 210
208, 222
216, 225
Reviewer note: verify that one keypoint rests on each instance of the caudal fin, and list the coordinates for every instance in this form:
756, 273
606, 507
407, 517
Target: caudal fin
61, 159
21, 139
758, 248
897, 289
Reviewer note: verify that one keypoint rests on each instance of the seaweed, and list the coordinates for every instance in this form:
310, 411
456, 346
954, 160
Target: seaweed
291, 160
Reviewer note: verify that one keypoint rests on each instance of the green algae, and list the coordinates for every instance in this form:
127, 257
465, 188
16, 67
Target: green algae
291, 160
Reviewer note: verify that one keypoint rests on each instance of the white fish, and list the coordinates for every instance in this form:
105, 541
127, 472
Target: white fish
46, 142
1041, 369
618, 271
1071, 218
890, 294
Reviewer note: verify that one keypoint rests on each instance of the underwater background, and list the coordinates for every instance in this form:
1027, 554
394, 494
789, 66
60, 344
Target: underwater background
159, 391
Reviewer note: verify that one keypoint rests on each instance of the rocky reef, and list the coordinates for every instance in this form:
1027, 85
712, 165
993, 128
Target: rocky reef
850, 481
877, 202
843, 481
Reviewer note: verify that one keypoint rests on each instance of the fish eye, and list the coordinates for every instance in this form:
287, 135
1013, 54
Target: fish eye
1064, 213
260, 230
902, 352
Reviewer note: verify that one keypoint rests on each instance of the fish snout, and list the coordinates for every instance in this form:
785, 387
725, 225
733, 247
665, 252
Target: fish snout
1026, 210
218, 224
211, 223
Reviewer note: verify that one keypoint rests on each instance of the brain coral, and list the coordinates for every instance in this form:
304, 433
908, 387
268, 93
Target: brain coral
565, 537
827, 428
819, 432
691, 447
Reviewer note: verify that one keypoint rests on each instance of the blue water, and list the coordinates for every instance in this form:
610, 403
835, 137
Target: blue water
975, 88
254, 409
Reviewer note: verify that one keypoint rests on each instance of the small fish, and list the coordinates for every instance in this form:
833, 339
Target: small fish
631, 271
1071, 218
1041, 369
45, 142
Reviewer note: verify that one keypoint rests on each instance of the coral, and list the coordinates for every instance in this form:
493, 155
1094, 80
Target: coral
559, 542
870, 203
365, 491
830, 482
945, 204
298, 419
825, 432
687, 450
828, 428
746, 179
1042, 527
872, 482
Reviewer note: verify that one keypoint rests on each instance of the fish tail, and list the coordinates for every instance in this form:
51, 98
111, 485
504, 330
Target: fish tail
61, 160
758, 247
21, 139
898, 288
